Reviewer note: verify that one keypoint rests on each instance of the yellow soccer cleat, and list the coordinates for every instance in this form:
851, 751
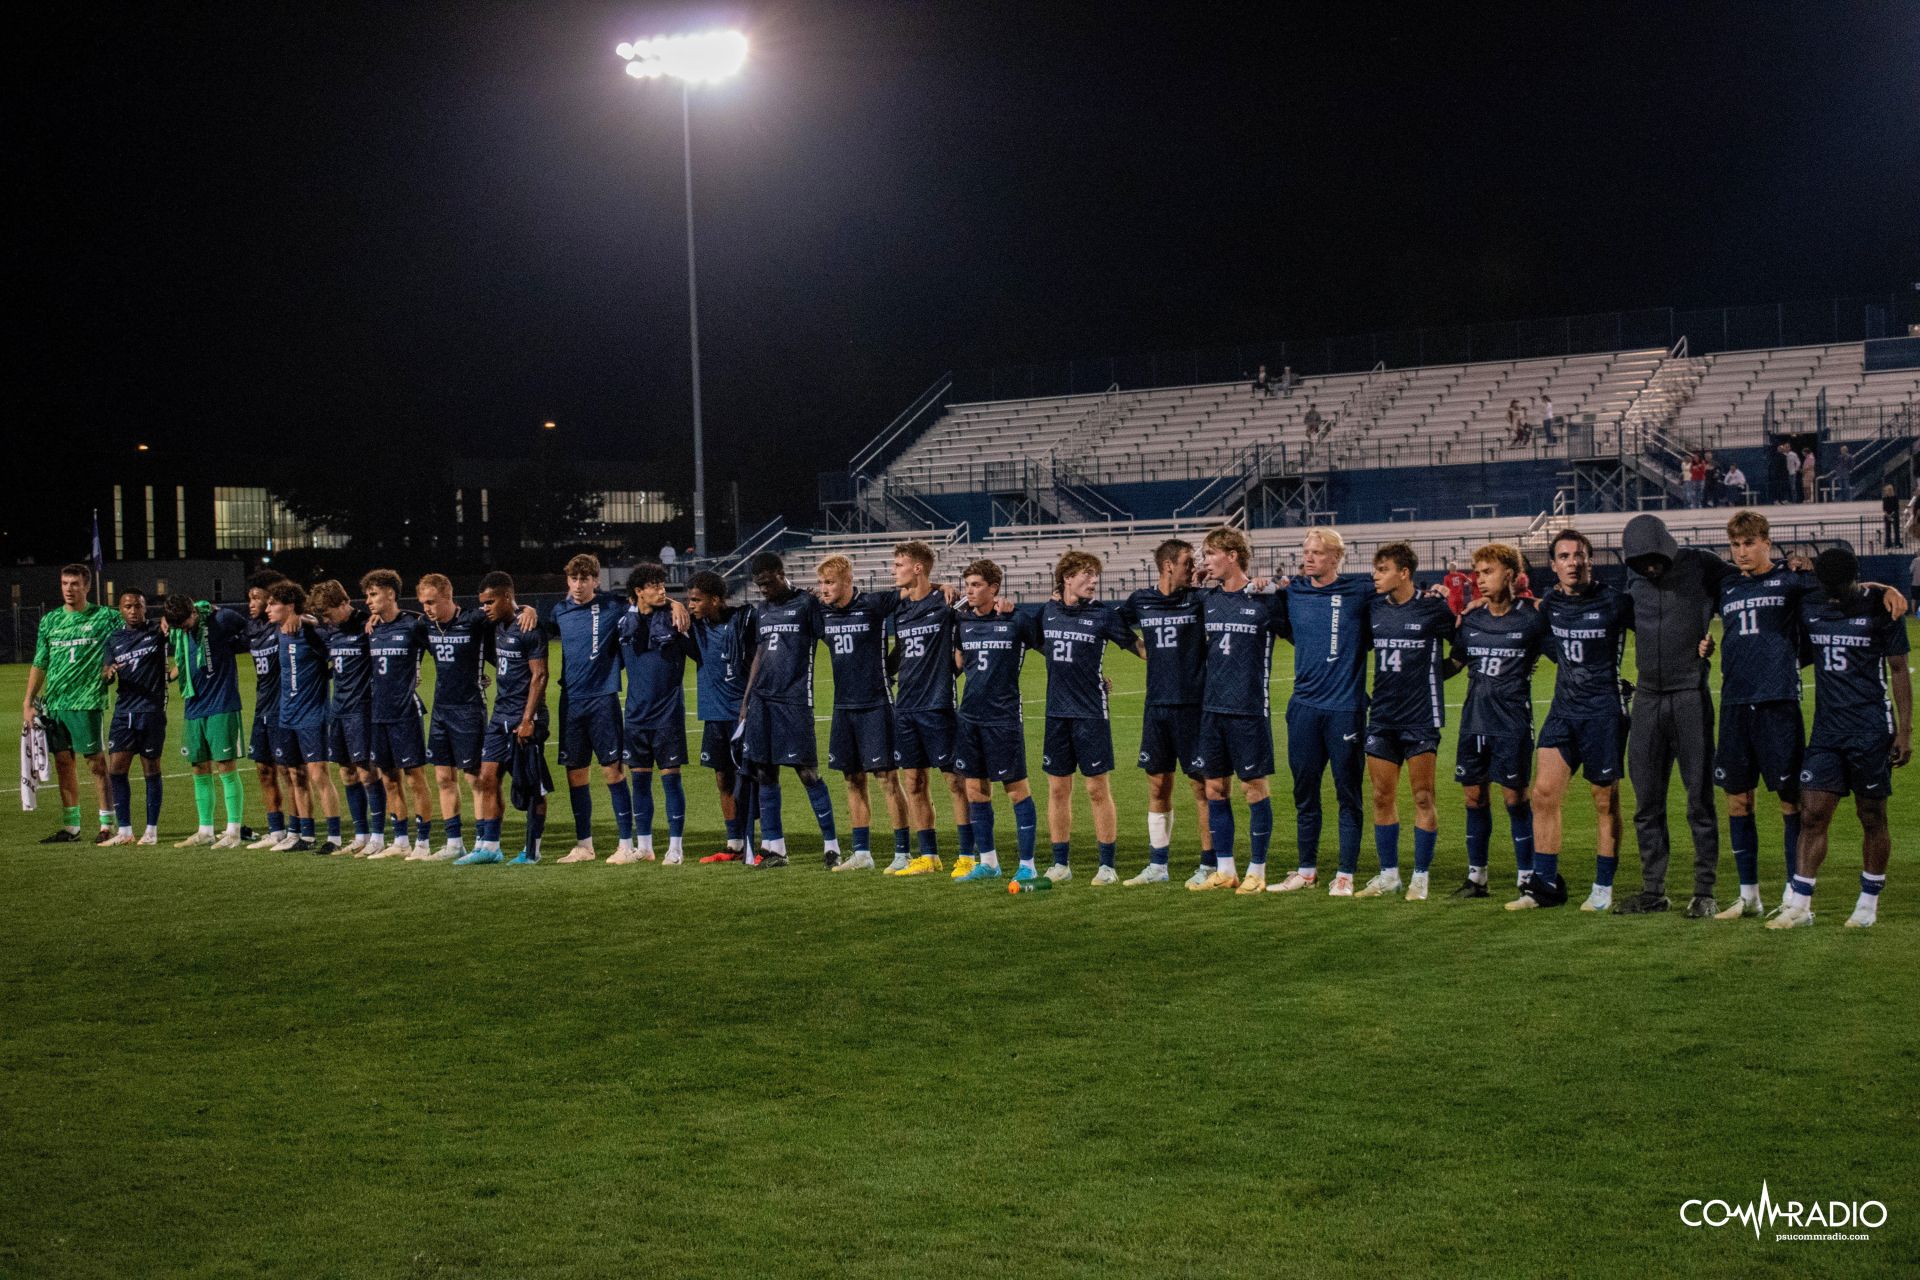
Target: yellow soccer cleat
1218, 880
1254, 882
962, 867
924, 865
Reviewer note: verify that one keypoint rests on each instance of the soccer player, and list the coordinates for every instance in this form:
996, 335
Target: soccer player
281, 790
1236, 725
1410, 632
654, 647
584, 621
204, 646
720, 681
990, 742
458, 722
137, 662
1857, 741
1586, 726
1498, 644
300, 738
860, 742
1327, 714
923, 717
776, 709
517, 729
1074, 633
349, 714
1169, 617
69, 654
395, 642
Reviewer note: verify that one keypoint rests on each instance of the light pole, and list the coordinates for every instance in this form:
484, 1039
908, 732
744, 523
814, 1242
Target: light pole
706, 58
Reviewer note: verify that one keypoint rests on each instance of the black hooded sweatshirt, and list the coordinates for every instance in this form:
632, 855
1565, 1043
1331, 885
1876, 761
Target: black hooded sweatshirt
1671, 612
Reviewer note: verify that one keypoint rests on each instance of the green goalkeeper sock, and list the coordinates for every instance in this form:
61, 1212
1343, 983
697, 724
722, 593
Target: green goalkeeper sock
235, 799
72, 817
203, 799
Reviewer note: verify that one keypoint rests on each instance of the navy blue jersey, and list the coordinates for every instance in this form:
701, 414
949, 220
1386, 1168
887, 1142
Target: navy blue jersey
1175, 633
1760, 640
589, 651
1328, 626
141, 655
856, 637
1587, 638
263, 644
512, 650
1074, 640
455, 646
782, 637
213, 644
925, 631
396, 648
993, 647
1851, 642
1500, 652
1240, 631
350, 658
303, 678
1409, 649
655, 655
723, 667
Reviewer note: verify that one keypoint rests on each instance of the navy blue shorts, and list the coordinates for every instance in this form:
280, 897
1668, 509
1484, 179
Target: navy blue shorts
1866, 769
454, 735
1073, 745
260, 743
1233, 746
1506, 761
1168, 737
137, 733
1397, 746
663, 746
780, 733
990, 752
1761, 742
590, 731
716, 744
861, 740
295, 748
497, 746
349, 738
923, 739
1596, 744
398, 745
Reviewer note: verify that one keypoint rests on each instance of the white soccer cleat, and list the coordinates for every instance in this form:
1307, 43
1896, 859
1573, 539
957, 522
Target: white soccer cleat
198, 840
1105, 875
446, 853
1862, 918
419, 853
1298, 880
1198, 880
1380, 886
266, 841
1059, 874
377, 852
861, 860
900, 863
118, 837
643, 855
675, 857
355, 845
150, 838
1153, 873
373, 846
579, 853
620, 857
1792, 917
1599, 899
1740, 910
1417, 887
285, 842
1342, 886
231, 840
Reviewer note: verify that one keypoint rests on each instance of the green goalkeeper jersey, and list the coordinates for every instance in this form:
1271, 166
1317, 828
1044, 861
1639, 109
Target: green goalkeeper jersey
72, 650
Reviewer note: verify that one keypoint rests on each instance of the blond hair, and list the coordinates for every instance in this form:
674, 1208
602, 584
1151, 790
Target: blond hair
1230, 540
1330, 537
438, 581
835, 569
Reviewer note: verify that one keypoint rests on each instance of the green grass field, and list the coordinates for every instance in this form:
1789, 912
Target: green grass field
275, 1065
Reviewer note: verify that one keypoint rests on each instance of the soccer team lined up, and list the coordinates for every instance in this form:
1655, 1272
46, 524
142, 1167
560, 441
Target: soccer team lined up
926, 680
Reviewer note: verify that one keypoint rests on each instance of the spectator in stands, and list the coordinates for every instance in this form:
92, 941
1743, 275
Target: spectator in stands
1546, 418
1515, 419
1791, 461
1890, 508
1913, 523
1734, 485
1286, 381
1808, 476
1696, 479
1716, 493
1843, 476
668, 555
1312, 420
1262, 386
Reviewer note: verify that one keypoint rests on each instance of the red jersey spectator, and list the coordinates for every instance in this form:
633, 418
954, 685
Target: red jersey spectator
1460, 587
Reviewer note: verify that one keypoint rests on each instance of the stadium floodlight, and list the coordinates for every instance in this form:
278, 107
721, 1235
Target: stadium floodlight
704, 58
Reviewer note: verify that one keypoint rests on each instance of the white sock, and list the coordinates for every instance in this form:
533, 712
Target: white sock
1027, 863
1159, 829
1477, 874
735, 846
233, 828
126, 831
151, 830
989, 858
644, 844
778, 846
1798, 899
205, 831
1226, 866
1750, 893
833, 846
1868, 906
626, 846
675, 845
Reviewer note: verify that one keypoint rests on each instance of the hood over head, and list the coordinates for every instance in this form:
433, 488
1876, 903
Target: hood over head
1646, 542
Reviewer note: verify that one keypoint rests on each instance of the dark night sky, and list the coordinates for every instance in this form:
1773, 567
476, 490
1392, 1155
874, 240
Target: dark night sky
312, 223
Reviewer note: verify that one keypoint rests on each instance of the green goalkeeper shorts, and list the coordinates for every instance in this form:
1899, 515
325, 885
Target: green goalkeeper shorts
212, 738
75, 731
